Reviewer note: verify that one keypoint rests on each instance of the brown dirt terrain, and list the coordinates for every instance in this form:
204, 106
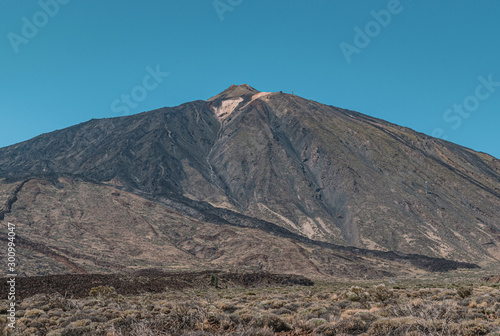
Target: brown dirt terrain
66, 225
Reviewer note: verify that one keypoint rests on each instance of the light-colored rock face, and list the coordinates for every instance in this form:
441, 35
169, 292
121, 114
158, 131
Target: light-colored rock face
256, 96
227, 108
260, 95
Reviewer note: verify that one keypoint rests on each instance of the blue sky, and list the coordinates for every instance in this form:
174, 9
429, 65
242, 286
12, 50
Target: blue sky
433, 66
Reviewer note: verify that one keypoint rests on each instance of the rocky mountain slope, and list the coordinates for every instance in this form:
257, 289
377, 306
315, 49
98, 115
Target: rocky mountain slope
69, 225
268, 162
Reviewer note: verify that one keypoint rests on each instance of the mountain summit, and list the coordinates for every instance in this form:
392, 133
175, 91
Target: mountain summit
234, 91
259, 164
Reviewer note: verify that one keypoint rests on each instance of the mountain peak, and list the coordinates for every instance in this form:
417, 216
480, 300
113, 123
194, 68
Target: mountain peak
234, 91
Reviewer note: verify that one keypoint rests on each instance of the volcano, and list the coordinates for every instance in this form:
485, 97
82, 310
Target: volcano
248, 179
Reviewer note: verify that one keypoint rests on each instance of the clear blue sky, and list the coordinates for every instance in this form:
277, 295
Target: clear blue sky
86, 54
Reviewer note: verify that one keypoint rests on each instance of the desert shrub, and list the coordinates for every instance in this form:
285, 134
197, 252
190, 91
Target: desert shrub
464, 292
314, 312
486, 299
385, 327
365, 316
356, 294
80, 323
278, 304
282, 311
472, 328
465, 302
82, 316
446, 310
325, 330
407, 326
228, 307
265, 305
234, 318
447, 294
255, 332
33, 313
212, 322
122, 325
56, 332
141, 329
61, 302
227, 324
103, 291
350, 325
292, 306
272, 322
185, 317
189, 333
154, 326
77, 331
314, 323
381, 293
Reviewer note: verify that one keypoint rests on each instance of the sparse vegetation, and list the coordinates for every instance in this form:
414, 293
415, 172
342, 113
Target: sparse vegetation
214, 280
103, 291
464, 292
368, 309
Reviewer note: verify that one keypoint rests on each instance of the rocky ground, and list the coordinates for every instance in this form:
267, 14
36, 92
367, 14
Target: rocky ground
147, 280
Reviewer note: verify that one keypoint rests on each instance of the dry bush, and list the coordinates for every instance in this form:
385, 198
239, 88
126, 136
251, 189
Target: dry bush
464, 292
381, 293
292, 306
314, 312
103, 292
325, 330
356, 294
406, 325
185, 316
472, 328
254, 332
351, 325
282, 311
272, 322
227, 307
